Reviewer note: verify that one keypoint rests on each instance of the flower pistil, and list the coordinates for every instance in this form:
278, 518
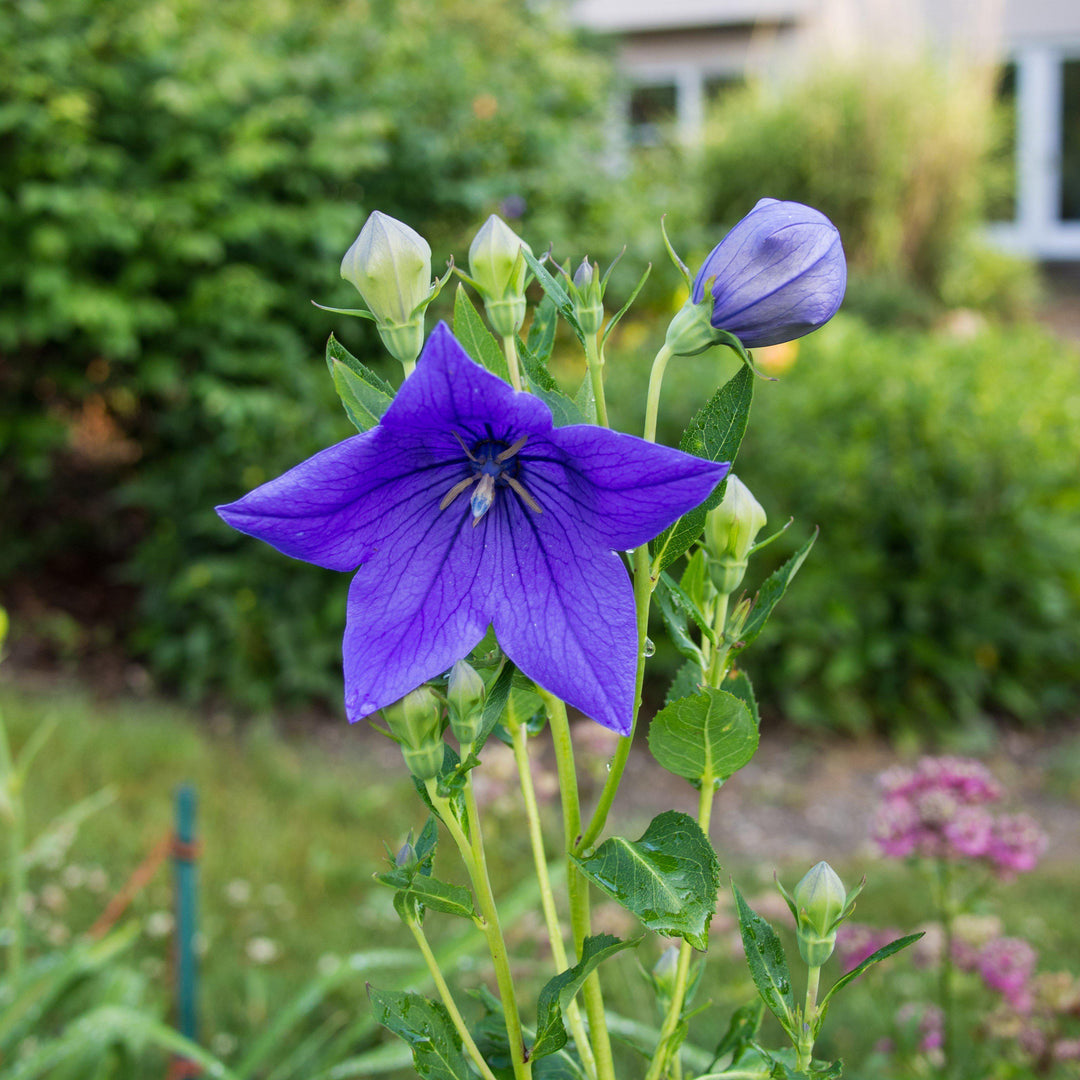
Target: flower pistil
492, 460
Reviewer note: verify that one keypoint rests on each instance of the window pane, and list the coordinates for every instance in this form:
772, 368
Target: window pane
1070, 141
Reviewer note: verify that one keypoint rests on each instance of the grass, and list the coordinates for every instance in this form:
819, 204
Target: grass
291, 826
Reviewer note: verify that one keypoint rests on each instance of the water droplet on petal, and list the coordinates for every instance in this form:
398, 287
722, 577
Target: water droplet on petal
650, 647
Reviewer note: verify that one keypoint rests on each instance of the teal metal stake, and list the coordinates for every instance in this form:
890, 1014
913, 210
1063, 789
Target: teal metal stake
185, 873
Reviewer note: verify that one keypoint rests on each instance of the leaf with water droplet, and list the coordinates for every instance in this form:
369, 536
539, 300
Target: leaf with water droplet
427, 1028
768, 964
705, 738
668, 878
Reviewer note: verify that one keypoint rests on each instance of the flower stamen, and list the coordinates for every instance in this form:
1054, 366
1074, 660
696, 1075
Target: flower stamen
489, 466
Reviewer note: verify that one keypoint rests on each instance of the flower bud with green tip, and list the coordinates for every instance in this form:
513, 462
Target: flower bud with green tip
465, 694
390, 266
586, 290
819, 903
730, 531
416, 725
497, 270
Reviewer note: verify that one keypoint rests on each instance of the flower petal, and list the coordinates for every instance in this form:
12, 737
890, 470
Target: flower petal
339, 507
564, 613
625, 489
421, 603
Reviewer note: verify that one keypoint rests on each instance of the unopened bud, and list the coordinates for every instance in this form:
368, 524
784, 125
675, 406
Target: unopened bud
390, 265
497, 267
415, 723
406, 855
730, 530
819, 900
665, 970
587, 295
465, 694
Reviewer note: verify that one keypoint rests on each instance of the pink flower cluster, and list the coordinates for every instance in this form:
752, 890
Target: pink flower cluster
1006, 965
856, 941
938, 810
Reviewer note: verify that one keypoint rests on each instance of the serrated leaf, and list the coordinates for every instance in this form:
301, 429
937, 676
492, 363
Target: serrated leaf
564, 410
687, 682
336, 351
553, 289
668, 878
475, 338
715, 433
768, 964
427, 1028
705, 738
541, 340
738, 683
874, 958
441, 896
560, 991
671, 611
770, 594
363, 404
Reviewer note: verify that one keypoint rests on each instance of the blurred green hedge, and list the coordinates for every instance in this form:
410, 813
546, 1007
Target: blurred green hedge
942, 469
178, 179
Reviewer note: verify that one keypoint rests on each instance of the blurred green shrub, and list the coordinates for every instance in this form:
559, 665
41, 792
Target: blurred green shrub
178, 179
942, 470
899, 154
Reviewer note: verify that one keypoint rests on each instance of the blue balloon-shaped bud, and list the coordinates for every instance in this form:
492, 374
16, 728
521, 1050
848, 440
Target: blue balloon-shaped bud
779, 274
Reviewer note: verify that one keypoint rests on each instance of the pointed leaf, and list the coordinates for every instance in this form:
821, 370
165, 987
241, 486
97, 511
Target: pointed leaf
441, 896
560, 991
497, 696
614, 320
427, 1028
768, 964
705, 738
585, 400
738, 683
874, 958
688, 681
564, 409
668, 878
559, 296
475, 338
336, 351
770, 594
363, 404
715, 433
541, 340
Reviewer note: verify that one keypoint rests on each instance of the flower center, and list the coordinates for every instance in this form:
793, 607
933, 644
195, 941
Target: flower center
492, 461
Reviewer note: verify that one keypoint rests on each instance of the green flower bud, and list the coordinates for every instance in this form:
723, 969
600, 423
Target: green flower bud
665, 969
730, 531
415, 722
587, 294
390, 265
498, 269
465, 694
406, 856
819, 900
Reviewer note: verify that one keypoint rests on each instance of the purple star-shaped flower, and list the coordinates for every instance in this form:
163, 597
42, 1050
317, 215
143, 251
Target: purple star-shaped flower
466, 507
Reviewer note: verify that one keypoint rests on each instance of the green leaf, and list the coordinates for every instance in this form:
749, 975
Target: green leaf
770, 594
768, 964
497, 696
541, 340
882, 954
715, 433
585, 400
475, 338
668, 878
738, 683
490, 1037
427, 1028
452, 782
741, 1031
553, 289
614, 320
364, 394
675, 605
560, 991
441, 896
564, 409
687, 682
705, 738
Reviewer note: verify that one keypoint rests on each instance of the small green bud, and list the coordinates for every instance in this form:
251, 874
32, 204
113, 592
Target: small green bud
465, 694
390, 266
406, 856
665, 970
498, 269
819, 901
415, 722
587, 294
730, 530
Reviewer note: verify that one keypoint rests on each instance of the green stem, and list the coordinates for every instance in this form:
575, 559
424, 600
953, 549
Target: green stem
448, 1000
594, 358
804, 1048
547, 898
472, 854
643, 588
577, 885
721, 650
16, 888
652, 402
409, 367
511, 354
663, 1053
